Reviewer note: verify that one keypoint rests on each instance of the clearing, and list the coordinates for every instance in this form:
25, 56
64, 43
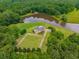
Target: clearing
31, 40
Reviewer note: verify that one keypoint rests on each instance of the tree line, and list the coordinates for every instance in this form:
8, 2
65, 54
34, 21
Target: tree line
11, 10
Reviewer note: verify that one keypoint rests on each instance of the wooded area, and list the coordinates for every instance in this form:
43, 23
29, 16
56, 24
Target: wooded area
58, 47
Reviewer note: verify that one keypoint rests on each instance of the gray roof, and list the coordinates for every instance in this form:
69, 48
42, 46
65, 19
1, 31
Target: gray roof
40, 28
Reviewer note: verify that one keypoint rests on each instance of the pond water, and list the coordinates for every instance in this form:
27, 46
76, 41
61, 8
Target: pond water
70, 26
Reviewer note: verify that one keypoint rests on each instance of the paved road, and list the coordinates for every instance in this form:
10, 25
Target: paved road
73, 27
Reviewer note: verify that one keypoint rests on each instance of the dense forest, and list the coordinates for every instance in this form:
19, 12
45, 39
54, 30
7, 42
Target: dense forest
58, 47
11, 10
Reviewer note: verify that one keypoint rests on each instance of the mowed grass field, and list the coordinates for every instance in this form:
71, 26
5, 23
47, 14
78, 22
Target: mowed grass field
73, 17
31, 41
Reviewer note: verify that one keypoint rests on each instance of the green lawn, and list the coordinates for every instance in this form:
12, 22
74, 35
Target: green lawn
31, 41
30, 26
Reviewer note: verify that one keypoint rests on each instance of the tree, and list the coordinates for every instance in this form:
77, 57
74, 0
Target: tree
52, 29
9, 17
64, 20
28, 50
23, 31
38, 49
74, 38
20, 49
24, 50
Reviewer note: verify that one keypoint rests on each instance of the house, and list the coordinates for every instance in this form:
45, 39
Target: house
39, 29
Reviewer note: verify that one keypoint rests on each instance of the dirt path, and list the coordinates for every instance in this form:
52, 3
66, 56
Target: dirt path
42, 40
